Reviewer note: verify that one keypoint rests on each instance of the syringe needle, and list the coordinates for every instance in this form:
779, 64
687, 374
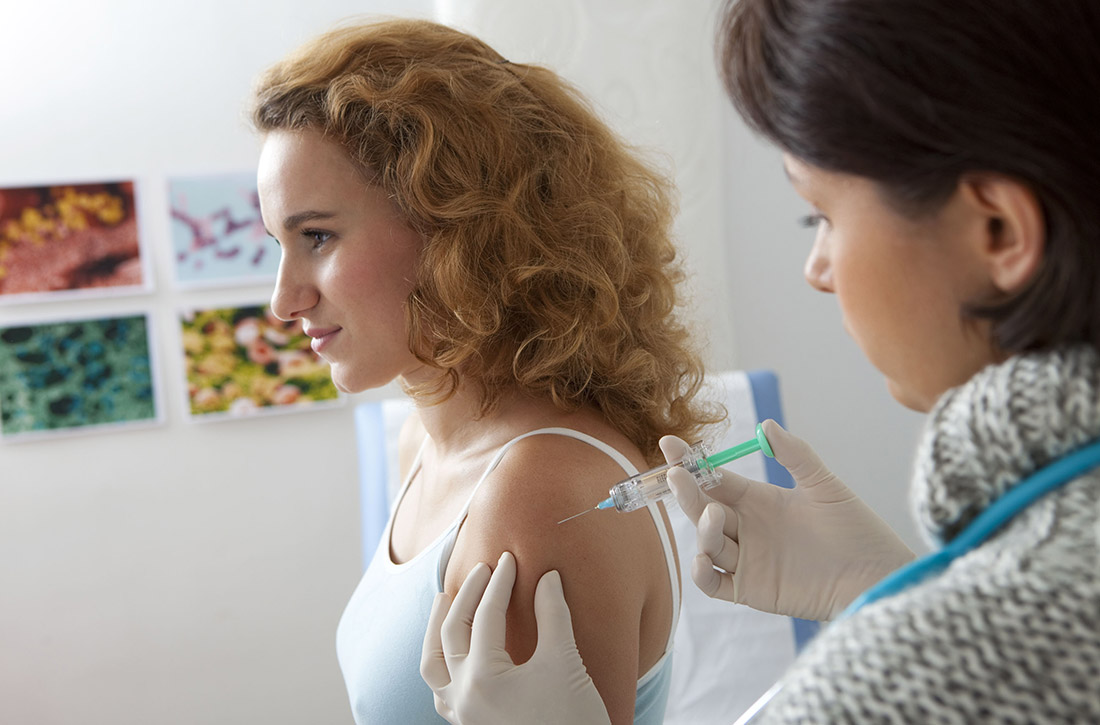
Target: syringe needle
582, 513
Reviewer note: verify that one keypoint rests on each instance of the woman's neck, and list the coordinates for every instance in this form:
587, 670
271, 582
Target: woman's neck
457, 427
453, 424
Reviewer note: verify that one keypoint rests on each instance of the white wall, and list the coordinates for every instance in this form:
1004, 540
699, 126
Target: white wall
195, 573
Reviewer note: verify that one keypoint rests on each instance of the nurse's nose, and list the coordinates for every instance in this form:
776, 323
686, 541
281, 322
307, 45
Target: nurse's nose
818, 269
294, 293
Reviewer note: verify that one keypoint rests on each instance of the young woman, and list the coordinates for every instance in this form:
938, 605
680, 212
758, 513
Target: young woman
948, 151
467, 226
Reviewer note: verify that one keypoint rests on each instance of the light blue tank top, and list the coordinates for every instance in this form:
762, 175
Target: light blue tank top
381, 632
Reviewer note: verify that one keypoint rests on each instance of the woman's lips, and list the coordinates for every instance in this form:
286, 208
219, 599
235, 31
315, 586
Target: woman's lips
322, 338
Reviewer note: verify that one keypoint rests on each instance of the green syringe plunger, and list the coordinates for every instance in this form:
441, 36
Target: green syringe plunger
645, 488
759, 443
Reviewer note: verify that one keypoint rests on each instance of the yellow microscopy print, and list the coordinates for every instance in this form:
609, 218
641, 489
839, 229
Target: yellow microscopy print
240, 361
68, 237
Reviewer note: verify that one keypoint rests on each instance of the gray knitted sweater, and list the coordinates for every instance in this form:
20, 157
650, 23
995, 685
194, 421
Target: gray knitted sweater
1009, 633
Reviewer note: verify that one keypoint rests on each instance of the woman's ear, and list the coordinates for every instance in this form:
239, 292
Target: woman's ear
1015, 233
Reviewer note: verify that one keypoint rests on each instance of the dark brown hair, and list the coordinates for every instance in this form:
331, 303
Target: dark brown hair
548, 265
913, 94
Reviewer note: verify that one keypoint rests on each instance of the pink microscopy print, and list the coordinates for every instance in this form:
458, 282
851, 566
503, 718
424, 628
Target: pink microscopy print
69, 237
218, 237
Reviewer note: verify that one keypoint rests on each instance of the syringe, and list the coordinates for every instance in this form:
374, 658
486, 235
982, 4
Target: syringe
645, 488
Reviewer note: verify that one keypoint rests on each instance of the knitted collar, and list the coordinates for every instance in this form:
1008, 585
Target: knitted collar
1005, 423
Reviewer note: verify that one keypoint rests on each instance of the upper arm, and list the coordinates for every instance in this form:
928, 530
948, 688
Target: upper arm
518, 510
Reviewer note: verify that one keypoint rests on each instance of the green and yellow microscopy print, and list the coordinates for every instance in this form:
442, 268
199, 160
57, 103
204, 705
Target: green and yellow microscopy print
244, 360
75, 374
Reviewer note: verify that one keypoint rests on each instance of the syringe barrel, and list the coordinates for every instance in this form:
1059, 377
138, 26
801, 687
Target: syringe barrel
649, 486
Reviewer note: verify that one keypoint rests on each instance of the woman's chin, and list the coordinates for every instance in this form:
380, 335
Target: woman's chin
347, 384
349, 380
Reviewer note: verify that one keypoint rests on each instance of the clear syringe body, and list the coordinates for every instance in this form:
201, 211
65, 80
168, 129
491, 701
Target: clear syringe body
649, 486
645, 488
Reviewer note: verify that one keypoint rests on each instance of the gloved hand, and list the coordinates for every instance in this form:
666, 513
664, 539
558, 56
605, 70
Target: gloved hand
805, 552
473, 677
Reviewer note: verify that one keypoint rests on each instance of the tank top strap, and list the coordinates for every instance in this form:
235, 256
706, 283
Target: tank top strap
615, 455
414, 468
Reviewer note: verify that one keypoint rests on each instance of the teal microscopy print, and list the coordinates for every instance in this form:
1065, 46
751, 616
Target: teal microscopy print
75, 374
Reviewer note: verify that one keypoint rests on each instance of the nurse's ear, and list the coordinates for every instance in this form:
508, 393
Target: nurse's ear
1014, 233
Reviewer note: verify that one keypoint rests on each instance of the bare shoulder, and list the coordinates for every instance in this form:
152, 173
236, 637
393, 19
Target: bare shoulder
548, 477
409, 440
542, 480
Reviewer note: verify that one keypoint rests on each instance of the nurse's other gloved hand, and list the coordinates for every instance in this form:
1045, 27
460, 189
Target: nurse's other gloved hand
473, 677
805, 552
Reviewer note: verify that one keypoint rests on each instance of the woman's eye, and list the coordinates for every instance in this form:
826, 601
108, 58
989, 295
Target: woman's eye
811, 220
317, 237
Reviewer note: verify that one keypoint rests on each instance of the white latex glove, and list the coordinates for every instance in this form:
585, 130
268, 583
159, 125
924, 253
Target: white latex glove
473, 677
806, 552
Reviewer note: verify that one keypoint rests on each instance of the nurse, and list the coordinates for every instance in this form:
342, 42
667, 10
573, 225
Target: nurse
949, 153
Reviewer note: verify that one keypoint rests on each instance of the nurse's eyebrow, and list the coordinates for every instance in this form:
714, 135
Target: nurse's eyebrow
294, 221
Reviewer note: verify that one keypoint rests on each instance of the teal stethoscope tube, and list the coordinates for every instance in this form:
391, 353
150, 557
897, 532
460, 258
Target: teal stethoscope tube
1000, 512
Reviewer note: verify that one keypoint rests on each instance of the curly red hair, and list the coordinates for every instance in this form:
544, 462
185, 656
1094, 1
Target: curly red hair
548, 265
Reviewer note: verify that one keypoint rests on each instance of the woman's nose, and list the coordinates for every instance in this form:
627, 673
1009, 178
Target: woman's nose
818, 269
294, 295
